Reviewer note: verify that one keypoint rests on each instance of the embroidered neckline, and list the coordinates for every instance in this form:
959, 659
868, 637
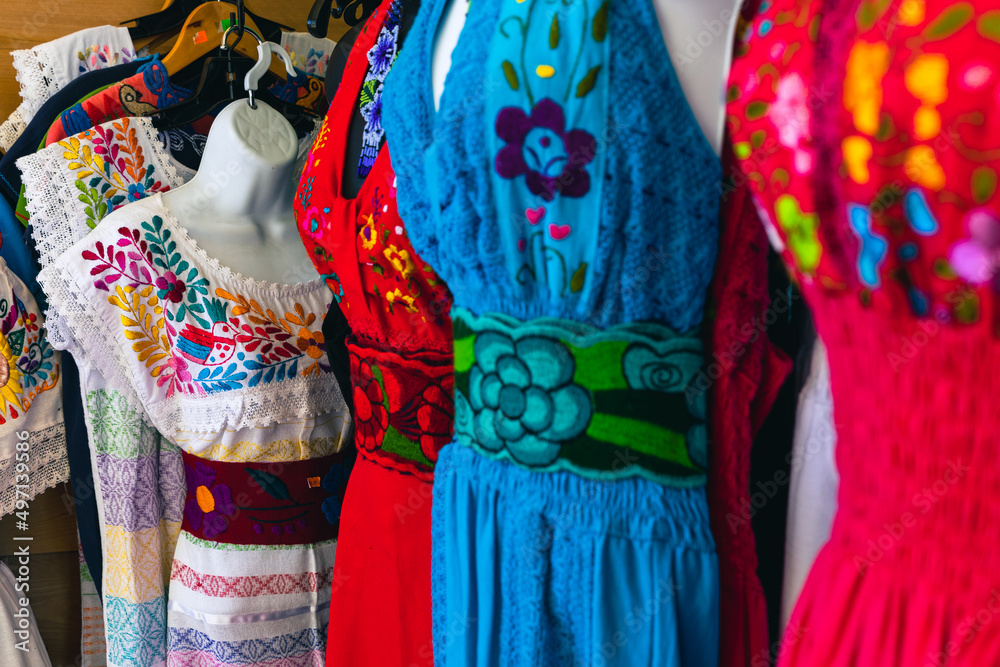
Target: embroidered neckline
381, 56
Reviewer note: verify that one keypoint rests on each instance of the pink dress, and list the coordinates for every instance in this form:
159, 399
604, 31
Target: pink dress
869, 135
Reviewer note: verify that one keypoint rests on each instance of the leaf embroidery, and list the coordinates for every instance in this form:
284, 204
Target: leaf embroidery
588, 82
270, 483
600, 28
554, 32
511, 74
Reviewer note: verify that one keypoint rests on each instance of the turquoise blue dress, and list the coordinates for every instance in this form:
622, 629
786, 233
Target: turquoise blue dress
567, 196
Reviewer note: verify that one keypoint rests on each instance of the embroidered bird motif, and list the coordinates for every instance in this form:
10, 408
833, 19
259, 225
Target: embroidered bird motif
208, 348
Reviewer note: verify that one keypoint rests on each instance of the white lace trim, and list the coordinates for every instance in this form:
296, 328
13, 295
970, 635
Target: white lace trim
47, 466
12, 128
37, 75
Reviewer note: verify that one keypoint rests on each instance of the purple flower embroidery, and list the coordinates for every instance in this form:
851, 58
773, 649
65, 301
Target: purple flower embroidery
211, 503
539, 147
977, 259
170, 287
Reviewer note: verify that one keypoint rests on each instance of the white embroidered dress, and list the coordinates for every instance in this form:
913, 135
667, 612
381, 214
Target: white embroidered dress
140, 382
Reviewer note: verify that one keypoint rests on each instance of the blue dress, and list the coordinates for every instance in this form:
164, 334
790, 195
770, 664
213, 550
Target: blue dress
567, 196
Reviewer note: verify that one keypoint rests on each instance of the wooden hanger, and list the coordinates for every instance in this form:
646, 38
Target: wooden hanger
201, 35
172, 16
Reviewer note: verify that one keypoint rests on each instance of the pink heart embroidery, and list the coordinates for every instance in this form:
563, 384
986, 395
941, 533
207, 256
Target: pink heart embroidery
535, 214
522, 244
559, 232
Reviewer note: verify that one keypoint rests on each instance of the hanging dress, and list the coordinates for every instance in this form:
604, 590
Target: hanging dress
868, 135
401, 372
566, 195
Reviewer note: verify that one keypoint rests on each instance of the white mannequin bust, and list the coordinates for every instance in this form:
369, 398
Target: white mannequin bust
238, 207
699, 38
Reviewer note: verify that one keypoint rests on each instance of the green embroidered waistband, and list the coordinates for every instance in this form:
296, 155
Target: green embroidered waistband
553, 394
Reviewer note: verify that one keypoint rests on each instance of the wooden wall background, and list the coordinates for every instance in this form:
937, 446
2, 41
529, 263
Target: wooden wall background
55, 569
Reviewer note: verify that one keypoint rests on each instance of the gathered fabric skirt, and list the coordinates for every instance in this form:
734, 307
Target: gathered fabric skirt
534, 568
380, 612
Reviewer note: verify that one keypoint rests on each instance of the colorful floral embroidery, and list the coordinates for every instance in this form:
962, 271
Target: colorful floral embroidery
380, 59
111, 170
524, 397
403, 405
913, 210
97, 56
29, 365
174, 323
542, 136
211, 504
556, 395
370, 414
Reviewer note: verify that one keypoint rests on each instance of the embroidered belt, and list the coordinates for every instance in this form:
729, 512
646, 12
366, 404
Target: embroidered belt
553, 394
287, 502
403, 406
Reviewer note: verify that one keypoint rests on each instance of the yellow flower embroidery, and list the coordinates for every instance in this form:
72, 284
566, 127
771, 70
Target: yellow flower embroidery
857, 151
927, 78
922, 168
396, 296
911, 12
10, 378
400, 259
866, 66
369, 237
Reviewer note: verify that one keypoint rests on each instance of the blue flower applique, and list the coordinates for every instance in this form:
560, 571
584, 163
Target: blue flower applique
523, 397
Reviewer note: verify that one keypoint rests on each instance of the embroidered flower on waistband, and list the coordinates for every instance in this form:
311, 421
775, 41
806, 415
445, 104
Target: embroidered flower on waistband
210, 503
551, 159
524, 397
435, 417
370, 415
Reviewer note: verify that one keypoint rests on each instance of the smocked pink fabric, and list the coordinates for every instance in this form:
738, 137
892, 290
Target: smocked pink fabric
868, 133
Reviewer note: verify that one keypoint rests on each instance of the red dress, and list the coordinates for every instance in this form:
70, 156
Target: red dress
869, 135
402, 377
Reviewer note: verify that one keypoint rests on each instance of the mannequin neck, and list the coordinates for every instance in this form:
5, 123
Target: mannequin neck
247, 168
238, 207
